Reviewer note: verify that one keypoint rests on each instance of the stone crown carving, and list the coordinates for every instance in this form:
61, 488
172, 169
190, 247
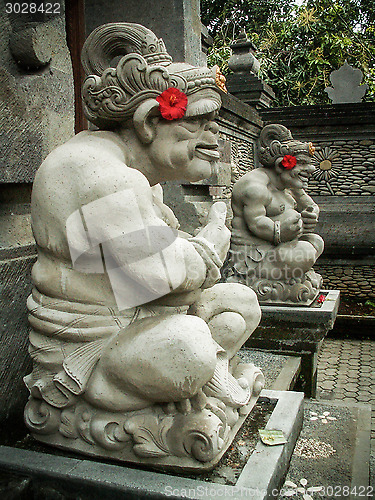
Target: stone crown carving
276, 141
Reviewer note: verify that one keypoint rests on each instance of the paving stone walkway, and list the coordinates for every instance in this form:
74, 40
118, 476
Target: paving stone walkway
346, 371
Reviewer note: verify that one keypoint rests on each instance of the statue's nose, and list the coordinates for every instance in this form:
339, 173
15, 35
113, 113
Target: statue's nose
212, 127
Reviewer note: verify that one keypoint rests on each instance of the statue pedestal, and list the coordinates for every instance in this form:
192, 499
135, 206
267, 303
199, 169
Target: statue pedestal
153, 437
92, 479
297, 330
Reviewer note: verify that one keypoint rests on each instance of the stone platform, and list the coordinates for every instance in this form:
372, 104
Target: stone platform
63, 476
297, 331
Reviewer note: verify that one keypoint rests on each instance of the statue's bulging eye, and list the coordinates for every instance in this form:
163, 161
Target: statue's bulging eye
191, 124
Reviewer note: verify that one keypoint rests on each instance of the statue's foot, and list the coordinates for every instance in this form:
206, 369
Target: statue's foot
235, 389
315, 279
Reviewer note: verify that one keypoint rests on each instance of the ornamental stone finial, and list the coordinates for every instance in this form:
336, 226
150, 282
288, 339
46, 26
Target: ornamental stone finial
346, 85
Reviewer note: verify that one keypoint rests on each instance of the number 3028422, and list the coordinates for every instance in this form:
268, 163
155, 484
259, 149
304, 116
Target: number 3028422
32, 8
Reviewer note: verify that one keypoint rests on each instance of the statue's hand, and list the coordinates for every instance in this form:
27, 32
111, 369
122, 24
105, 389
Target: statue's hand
215, 231
309, 219
291, 227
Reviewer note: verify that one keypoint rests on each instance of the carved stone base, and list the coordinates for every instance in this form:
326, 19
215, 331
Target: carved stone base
189, 435
295, 291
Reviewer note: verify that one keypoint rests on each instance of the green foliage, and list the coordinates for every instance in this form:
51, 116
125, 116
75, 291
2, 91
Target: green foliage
298, 46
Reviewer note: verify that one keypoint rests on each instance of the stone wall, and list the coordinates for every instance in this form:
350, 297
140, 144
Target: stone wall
241, 154
344, 187
36, 115
348, 168
353, 279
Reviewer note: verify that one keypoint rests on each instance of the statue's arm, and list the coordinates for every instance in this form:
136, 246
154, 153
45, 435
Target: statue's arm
135, 239
305, 201
255, 199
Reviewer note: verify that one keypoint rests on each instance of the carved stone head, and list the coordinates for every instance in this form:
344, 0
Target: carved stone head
127, 67
276, 141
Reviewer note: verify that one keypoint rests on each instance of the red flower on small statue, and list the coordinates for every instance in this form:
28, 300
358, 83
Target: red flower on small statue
321, 298
172, 104
289, 162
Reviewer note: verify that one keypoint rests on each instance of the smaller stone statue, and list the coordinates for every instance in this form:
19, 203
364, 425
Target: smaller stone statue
273, 245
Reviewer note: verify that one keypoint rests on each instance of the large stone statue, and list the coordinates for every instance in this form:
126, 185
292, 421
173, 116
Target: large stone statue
273, 246
133, 344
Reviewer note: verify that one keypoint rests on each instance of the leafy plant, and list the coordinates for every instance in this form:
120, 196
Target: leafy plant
298, 46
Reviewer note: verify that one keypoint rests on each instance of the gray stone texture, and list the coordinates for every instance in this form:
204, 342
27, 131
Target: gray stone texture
275, 367
243, 81
177, 23
332, 454
346, 85
351, 233
14, 360
36, 105
250, 89
36, 115
352, 277
342, 134
352, 172
68, 477
319, 318
297, 331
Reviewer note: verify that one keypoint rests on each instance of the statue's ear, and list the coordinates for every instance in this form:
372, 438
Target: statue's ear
144, 122
278, 165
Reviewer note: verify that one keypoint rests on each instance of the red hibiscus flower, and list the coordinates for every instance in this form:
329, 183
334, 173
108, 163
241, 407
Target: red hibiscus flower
289, 162
172, 104
321, 298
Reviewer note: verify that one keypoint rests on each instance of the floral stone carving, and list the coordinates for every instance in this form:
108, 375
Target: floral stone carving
347, 85
133, 342
274, 246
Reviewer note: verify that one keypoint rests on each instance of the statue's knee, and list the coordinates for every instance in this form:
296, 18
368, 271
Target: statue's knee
237, 318
245, 295
318, 243
234, 296
156, 360
228, 329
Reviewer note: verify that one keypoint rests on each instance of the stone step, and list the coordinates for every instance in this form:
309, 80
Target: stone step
54, 473
332, 453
